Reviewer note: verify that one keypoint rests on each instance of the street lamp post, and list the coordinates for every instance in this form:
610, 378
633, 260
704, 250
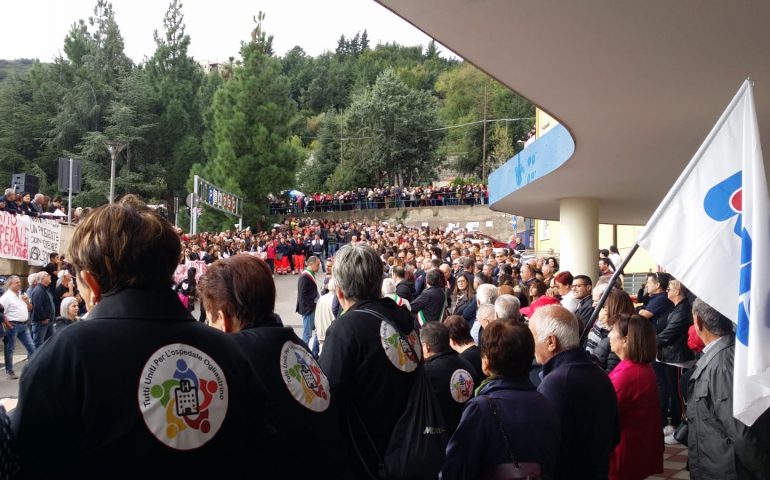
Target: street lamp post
114, 147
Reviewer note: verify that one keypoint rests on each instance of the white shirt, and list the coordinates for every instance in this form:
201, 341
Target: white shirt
569, 302
324, 316
15, 307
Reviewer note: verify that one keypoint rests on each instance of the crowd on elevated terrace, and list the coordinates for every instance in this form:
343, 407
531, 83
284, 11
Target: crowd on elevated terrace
376, 198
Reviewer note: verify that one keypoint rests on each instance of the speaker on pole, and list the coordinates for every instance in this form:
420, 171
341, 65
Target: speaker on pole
24, 182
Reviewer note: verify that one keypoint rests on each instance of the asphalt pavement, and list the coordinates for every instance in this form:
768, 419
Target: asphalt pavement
285, 303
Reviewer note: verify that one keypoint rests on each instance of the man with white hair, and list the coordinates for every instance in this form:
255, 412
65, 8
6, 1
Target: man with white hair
486, 294
580, 391
324, 312
507, 308
389, 291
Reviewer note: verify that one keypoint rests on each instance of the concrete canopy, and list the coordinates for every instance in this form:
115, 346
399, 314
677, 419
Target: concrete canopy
638, 84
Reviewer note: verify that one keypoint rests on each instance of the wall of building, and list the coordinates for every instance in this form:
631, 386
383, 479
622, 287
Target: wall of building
547, 236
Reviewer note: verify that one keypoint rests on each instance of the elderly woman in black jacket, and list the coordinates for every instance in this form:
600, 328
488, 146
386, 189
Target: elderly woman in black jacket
507, 409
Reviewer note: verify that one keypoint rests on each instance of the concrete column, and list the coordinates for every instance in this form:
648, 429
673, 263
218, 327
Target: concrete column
579, 236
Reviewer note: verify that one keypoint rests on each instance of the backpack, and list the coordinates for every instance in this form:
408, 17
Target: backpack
417, 446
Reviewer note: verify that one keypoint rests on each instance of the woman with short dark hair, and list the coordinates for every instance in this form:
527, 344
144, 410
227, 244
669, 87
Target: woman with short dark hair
238, 294
506, 406
141, 378
640, 451
461, 341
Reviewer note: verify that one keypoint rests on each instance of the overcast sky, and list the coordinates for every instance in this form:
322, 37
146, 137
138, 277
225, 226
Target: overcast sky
36, 28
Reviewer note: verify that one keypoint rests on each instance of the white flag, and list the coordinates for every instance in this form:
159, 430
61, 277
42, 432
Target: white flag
713, 225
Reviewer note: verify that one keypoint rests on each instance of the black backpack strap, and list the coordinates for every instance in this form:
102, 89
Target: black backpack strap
493, 406
368, 437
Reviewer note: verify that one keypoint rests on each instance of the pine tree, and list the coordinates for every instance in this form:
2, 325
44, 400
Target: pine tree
252, 120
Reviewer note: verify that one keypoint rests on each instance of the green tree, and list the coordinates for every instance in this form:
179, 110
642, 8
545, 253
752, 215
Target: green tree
392, 137
465, 91
326, 155
175, 81
253, 115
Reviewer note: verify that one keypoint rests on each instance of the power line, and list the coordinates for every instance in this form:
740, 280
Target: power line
344, 139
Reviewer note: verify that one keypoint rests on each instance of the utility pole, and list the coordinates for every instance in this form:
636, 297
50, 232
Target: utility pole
113, 147
484, 142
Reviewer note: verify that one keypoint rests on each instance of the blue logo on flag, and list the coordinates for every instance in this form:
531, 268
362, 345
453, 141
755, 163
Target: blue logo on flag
722, 202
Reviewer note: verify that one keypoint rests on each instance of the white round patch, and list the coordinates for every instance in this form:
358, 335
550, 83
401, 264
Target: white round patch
461, 386
403, 352
183, 396
304, 378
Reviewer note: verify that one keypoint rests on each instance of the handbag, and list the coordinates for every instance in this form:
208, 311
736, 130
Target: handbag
681, 432
514, 470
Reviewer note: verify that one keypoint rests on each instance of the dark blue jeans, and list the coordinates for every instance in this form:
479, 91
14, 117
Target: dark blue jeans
22, 331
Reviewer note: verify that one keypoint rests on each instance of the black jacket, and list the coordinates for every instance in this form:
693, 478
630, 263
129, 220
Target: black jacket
307, 294
672, 340
114, 377
371, 371
300, 405
42, 305
405, 290
432, 302
452, 379
588, 409
473, 356
584, 310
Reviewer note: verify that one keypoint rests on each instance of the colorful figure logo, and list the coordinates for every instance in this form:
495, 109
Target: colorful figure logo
182, 396
403, 352
461, 386
304, 378
722, 202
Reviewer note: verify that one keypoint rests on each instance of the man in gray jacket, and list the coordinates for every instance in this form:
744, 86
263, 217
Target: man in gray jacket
720, 446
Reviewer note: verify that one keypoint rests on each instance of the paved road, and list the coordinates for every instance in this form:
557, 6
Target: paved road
286, 288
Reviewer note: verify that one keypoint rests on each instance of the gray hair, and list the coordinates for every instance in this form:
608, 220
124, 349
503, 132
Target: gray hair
507, 307
388, 286
713, 321
486, 293
557, 321
486, 311
312, 260
32, 279
358, 271
65, 304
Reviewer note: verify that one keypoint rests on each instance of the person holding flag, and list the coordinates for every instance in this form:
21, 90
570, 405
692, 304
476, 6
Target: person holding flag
715, 224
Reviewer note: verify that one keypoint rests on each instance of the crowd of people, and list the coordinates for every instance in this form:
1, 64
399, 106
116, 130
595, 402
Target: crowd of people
38, 205
374, 198
498, 350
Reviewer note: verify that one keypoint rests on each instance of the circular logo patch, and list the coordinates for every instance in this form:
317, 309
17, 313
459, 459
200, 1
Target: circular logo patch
182, 396
403, 352
304, 378
461, 386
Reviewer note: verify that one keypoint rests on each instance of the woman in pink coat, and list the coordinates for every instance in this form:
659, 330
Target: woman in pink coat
640, 451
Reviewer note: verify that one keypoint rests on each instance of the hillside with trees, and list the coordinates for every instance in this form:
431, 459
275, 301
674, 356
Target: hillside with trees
361, 115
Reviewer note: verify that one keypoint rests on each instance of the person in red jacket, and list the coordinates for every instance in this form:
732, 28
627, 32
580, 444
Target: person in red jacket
640, 451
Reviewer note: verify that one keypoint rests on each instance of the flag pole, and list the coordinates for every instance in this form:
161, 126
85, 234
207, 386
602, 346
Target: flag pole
606, 293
